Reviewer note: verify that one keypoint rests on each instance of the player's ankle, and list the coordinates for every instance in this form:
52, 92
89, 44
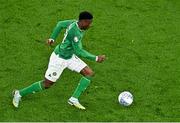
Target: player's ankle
73, 98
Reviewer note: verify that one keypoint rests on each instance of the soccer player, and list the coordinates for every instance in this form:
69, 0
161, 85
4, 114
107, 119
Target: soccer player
66, 55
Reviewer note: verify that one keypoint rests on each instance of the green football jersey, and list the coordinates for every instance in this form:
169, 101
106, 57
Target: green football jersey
71, 43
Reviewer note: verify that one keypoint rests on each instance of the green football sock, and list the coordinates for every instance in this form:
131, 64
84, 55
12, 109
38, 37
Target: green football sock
35, 87
83, 84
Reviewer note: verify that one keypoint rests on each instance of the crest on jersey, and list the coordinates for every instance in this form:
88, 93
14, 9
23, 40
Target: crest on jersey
75, 39
54, 73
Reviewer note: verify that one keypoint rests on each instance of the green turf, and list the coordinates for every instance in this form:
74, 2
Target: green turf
139, 37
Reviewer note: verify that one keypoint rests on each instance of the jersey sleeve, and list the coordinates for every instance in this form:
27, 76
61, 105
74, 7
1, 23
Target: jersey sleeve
60, 25
79, 51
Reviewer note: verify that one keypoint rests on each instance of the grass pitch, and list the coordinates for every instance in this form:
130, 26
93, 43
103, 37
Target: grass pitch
141, 39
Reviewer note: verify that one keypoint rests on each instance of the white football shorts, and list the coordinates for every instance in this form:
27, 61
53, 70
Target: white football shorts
57, 65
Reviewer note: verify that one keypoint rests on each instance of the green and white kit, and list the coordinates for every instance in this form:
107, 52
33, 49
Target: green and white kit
66, 54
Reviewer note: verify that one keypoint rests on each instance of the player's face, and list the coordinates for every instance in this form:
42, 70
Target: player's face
86, 23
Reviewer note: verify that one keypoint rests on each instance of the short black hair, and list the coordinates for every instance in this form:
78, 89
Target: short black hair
85, 15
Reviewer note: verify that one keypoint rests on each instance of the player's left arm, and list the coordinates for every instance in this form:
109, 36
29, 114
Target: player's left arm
79, 51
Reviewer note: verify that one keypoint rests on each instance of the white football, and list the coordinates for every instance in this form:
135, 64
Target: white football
125, 98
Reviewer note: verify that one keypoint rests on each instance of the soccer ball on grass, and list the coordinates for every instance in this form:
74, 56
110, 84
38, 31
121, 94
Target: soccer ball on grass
125, 98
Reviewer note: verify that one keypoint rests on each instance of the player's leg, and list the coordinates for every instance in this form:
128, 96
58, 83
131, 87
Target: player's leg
83, 84
33, 88
76, 64
55, 68
84, 81
36, 87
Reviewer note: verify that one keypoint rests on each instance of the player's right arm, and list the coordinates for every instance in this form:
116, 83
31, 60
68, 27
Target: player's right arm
60, 25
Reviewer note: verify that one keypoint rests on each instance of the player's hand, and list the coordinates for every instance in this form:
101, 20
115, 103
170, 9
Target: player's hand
101, 58
50, 41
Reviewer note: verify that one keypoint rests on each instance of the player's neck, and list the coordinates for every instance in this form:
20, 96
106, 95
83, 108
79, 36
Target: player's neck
79, 25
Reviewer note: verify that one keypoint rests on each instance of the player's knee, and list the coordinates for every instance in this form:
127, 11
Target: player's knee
47, 84
87, 72
90, 73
